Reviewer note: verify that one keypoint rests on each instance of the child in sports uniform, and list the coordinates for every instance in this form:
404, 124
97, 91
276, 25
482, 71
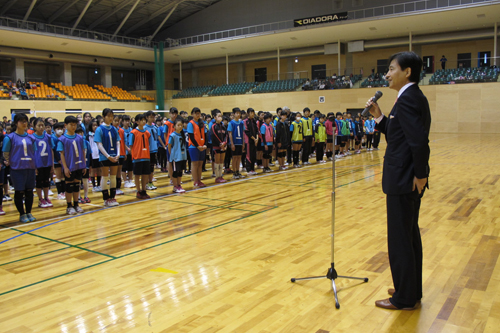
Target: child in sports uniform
235, 130
267, 133
2, 175
153, 146
95, 165
251, 140
178, 155
170, 128
123, 154
197, 147
219, 145
282, 139
44, 161
72, 148
127, 167
259, 148
139, 145
60, 184
358, 129
330, 134
108, 143
297, 131
320, 136
19, 152
86, 174
162, 145
370, 129
188, 166
308, 136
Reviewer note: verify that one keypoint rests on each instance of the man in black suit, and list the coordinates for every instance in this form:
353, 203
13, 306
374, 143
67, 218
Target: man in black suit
406, 170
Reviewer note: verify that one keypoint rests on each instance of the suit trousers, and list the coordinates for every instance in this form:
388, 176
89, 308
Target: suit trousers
306, 148
251, 155
405, 248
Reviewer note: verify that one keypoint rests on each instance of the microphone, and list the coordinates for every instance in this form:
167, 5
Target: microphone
366, 111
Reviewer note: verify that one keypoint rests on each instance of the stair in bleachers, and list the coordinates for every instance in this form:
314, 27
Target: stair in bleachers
82, 92
118, 94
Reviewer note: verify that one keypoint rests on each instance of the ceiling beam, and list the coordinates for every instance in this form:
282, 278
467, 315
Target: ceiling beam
81, 15
126, 17
164, 21
33, 2
150, 17
105, 16
61, 11
7, 6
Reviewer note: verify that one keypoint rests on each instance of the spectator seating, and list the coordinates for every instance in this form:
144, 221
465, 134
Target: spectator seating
41, 91
278, 86
464, 75
193, 92
148, 98
233, 89
118, 93
378, 80
82, 92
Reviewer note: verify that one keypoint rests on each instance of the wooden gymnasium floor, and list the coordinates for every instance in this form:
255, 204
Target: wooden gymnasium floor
220, 259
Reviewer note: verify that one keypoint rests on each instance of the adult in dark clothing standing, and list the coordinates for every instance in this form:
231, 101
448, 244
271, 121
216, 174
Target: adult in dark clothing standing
405, 177
251, 139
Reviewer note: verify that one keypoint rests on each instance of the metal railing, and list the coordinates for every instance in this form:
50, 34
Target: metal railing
50, 29
396, 9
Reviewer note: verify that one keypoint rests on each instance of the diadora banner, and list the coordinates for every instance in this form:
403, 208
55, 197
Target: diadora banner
320, 19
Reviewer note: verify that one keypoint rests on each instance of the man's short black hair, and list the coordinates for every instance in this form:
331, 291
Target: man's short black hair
70, 120
409, 59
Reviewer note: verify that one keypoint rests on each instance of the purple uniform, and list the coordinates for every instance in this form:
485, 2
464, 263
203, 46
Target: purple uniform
43, 154
74, 153
22, 151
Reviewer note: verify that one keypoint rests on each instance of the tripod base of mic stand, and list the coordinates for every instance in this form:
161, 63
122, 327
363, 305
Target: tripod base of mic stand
331, 275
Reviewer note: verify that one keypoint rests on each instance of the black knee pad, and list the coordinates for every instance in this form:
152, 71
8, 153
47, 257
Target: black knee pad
76, 187
69, 188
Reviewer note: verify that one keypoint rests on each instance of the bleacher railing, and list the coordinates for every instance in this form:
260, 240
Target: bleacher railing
396, 9
7, 23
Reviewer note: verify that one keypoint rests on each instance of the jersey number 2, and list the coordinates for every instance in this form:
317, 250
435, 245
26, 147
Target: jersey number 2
42, 144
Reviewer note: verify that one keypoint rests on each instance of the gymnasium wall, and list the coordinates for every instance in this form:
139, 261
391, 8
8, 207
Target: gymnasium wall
7, 105
461, 108
366, 60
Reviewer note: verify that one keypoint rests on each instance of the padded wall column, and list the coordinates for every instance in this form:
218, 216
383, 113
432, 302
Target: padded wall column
66, 76
289, 68
161, 65
106, 76
18, 69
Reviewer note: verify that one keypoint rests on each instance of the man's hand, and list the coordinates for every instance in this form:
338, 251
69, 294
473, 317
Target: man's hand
375, 110
419, 184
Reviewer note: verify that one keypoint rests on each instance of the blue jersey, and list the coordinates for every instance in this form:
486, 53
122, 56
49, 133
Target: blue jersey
73, 147
22, 151
109, 137
43, 155
126, 133
178, 152
370, 126
210, 124
236, 128
161, 134
153, 139
89, 153
57, 156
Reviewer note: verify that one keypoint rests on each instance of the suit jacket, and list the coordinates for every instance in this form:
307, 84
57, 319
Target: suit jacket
407, 134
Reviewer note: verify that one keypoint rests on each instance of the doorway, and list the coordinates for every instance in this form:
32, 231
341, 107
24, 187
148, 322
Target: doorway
318, 72
484, 59
428, 64
261, 74
382, 66
463, 60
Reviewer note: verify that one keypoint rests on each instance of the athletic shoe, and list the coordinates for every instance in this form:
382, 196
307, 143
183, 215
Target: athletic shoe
11, 188
154, 179
322, 161
251, 173
61, 196
130, 185
119, 192
286, 164
42, 204
24, 218
138, 195
240, 175
213, 175
260, 167
107, 203
150, 186
51, 193
218, 180
1, 211
195, 185
200, 184
70, 211
8, 197
375, 148
236, 176
180, 189
266, 170
80, 200
171, 182
4, 198
97, 189
271, 164
358, 151
176, 189
187, 172
145, 195
86, 200
114, 202
79, 209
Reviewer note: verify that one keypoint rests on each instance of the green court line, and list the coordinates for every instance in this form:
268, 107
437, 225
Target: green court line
41, 254
54, 277
151, 225
190, 195
63, 243
125, 255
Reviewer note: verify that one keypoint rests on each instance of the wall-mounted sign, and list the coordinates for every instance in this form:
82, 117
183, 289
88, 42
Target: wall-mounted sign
322, 99
320, 19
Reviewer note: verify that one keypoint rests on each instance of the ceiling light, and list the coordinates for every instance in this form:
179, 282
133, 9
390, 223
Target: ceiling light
296, 59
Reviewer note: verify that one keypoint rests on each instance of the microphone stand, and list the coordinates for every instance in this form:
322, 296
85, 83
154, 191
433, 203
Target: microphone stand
332, 273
